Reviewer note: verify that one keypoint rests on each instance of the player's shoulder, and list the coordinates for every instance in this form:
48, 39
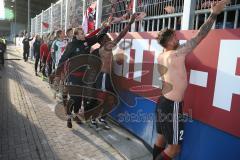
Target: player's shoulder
166, 55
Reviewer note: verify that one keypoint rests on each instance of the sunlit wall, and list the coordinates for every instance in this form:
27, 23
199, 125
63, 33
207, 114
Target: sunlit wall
2, 11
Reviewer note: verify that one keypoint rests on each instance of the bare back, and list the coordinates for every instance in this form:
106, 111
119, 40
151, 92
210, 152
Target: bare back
106, 57
175, 75
174, 60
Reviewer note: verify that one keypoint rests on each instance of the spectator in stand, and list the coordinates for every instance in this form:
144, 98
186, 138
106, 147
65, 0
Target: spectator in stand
126, 10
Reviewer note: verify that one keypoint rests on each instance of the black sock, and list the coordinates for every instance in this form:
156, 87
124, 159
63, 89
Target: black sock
163, 156
156, 151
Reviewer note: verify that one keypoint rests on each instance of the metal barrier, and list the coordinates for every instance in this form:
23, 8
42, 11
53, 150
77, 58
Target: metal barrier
206, 4
159, 14
158, 8
228, 19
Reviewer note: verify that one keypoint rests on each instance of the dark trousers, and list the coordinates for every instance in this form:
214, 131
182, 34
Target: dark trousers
75, 102
92, 103
25, 53
43, 69
37, 58
49, 69
43, 66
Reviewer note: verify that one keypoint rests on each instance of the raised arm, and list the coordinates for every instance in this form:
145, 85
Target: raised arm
93, 39
103, 29
93, 33
126, 29
204, 29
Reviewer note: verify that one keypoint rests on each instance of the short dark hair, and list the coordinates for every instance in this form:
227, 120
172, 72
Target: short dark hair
69, 29
101, 37
58, 33
164, 35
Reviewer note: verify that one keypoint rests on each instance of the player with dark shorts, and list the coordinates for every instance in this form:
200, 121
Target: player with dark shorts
169, 121
104, 83
172, 69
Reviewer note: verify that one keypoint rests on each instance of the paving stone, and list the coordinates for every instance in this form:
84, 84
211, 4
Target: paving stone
30, 130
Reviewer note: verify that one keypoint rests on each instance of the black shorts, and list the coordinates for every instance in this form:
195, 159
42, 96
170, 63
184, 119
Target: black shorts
104, 82
170, 122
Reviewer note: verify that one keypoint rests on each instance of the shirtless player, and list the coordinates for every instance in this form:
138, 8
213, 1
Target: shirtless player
105, 53
172, 70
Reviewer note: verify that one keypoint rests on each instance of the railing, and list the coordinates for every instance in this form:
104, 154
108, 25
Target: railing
159, 14
158, 8
228, 19
206, 4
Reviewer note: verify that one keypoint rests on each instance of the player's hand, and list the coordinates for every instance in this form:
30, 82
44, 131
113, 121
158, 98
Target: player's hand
133, 17
104, 24
110, 19
218, 7
140, 16
169, 9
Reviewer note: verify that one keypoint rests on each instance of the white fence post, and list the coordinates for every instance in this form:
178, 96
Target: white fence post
31, 31
66, 15
188, 14
61, 22
98, 14
41, 23
84, 6
51, 18
36, 25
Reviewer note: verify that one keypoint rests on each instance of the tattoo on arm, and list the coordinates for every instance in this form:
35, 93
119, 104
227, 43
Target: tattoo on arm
202, 33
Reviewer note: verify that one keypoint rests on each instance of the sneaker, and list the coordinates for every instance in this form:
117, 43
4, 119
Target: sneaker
42, 77
69, 123
77, 120
59, 97
104, 123
36, 74
93, 124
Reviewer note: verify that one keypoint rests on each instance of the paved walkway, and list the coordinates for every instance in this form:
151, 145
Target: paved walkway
29, 127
